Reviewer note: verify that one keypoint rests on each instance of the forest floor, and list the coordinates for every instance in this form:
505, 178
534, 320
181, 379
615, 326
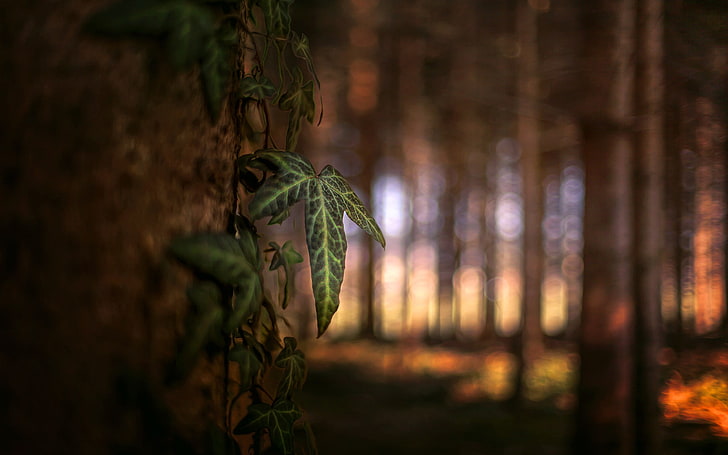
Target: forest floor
374, 398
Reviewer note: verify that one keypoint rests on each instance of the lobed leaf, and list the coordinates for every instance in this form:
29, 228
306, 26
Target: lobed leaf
288, 186
217, 255
293, 362
249, 365
277, 16
328, 196
257, 88
278, 419
286, 257
353, 206
299, 100
326, 243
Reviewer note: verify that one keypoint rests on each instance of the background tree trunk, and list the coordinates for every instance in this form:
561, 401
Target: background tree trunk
106, 155
604, 415
648, 228
527, 135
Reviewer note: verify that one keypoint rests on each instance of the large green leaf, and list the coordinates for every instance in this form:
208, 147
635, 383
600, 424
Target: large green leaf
278, 419
288, 186
293, 363
326, 242
327, 197
353, 206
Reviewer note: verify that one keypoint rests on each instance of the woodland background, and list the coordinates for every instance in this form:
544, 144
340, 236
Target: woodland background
550, 177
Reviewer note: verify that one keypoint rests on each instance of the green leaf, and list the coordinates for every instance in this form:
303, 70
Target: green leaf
248, 237
293, 362
300, 101
277, 16
257, 88
288, 186
301, 49
278, 419
328, 196
249, 363
285, 257
190, 27
221, 257
353, 206
326, 243
248, 298
203, 327
215, 75
132, 17
217, 255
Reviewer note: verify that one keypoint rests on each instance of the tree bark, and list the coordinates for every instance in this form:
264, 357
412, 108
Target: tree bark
104, 161
604, 415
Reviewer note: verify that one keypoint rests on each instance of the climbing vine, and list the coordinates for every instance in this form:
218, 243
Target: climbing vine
248, 56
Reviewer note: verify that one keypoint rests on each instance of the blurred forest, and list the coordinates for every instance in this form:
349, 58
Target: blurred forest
550, 177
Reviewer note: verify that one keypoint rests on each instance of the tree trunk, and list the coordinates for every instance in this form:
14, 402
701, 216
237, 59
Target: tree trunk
604, 415
648, 228
104, 161
527, 135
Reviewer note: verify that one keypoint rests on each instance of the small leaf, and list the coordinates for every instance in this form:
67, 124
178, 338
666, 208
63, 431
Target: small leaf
293, 362
248, 237
249, 179
285, 257
300, 101
277, 16
301, 49
257, 88
249, 364
248, 298
278, 419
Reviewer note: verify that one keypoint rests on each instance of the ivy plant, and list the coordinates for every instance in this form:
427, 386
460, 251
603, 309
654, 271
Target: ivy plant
248, 58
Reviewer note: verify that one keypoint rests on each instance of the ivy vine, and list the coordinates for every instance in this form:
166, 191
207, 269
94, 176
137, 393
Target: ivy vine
247, 55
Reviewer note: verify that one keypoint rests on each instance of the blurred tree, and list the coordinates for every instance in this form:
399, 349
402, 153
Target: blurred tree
648, 225
604, 417
530, 341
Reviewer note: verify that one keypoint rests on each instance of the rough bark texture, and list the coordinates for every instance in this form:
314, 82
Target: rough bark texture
106, 155
604, 416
